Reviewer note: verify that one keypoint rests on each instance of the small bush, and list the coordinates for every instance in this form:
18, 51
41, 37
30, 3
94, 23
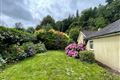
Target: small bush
11, 53
29, 48
40, 47
87, 56
2, 62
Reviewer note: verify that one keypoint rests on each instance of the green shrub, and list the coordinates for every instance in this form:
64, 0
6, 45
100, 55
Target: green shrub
2, 62
52, 39
29, 48
74, 33
40, 47
10, 36
17, 45
11, 53
15, 52
87, 56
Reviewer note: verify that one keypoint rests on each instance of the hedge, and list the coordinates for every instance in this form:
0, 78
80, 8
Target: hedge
87, 56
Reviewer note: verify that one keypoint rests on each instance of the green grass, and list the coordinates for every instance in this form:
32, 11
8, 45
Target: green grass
55, 65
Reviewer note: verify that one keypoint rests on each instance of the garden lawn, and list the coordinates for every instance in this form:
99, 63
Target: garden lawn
55, 65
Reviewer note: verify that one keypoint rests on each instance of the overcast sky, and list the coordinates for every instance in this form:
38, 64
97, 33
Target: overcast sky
31, 12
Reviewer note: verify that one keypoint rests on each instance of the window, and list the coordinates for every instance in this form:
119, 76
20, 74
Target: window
91, 44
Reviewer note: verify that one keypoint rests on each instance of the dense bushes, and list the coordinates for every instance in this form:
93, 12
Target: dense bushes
87, 56
9, 36
17, 45
15, 52
10, 53
53, 39
2, 62
37, 48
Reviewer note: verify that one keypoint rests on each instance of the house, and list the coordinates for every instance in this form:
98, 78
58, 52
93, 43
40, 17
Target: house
83, 38
106, 45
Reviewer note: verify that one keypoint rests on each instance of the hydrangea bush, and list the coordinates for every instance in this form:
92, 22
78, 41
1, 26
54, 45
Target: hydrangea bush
73, 49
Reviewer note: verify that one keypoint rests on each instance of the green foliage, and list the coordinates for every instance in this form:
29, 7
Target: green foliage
90, 19
60, 26
2, 62
48, 20
84, 18
109, 1
99, 17
66, 23
29, 48
74, 33
36, 48
28, 45
10, 36
11, 40
53, 39
11, 53
91, 23
77, 13
75, 25
100, 22
113, 11
40, 48
19, 26
15, 52
30, 30
47, 27
87, 56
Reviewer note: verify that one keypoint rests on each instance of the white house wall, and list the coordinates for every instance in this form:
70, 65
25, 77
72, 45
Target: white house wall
107, 51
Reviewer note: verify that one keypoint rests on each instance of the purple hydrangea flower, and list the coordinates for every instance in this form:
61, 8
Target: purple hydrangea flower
73, 49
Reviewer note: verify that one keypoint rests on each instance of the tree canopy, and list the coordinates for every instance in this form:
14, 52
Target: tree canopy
48, 20
89, 19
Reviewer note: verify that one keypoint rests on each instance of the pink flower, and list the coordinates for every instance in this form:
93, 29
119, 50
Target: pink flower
73, 49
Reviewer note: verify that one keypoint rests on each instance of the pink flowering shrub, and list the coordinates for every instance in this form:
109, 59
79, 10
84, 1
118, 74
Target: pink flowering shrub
73, 49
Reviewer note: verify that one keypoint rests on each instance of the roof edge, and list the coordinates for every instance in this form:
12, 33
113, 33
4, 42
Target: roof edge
105, 35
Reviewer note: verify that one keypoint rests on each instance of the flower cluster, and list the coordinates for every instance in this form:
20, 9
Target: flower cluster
73, 49
81, 47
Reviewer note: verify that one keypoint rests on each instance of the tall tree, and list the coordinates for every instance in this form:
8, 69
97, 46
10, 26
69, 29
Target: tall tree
109, 1
84, 18
100, 22
59, 24
19, 26
48, 20
77, 13
30, 30
67, 22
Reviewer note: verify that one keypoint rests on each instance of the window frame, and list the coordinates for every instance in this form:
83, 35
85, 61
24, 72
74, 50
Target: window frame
91, 45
